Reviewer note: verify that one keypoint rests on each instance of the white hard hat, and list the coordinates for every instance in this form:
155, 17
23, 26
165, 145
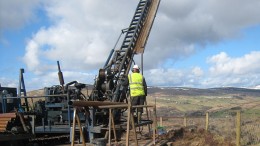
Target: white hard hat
135, 66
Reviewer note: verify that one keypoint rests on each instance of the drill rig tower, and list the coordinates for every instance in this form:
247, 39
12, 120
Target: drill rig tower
110, 85
110, 81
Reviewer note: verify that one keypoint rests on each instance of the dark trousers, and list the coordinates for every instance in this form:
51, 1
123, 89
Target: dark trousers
138, 100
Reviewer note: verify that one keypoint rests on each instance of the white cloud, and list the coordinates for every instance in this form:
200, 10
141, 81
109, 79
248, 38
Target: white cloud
81, 36
5, 82
174, 77
16, 13
183, 27
82, 33
225, 65
223, 71
51, 78
163, 77
197, 71
32, 55
233, 71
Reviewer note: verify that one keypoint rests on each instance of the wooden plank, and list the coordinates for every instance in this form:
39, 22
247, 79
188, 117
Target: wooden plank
144, 34
5, 119
2, 129
2, 126
7, 115
3, 122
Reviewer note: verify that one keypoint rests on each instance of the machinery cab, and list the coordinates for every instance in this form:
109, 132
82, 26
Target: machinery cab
8, 104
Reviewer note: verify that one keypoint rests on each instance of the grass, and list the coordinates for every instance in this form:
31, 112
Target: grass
251, 113
222, 117
198, 103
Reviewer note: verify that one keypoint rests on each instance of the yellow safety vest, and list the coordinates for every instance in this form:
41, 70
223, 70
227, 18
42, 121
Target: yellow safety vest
136, 84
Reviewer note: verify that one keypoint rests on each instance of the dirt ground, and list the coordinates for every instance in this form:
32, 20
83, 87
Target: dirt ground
194, 137
189, 136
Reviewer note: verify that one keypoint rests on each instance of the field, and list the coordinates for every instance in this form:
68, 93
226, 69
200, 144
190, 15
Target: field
222, 114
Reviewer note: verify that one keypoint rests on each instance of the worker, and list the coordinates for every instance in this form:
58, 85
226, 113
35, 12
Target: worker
138, 90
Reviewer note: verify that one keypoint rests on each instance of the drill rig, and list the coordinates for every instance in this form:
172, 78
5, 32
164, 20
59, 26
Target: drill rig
54, 115
111, 82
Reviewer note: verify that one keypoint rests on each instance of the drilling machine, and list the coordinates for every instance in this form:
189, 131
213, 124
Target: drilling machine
111, 83
55, 114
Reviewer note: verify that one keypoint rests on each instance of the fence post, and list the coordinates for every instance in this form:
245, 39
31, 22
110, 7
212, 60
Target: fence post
154, 124
161, 124
238, 131
207, 121
185, 121
150, 113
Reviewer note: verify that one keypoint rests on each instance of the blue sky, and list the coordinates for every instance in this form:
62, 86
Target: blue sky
199, 44
235, 47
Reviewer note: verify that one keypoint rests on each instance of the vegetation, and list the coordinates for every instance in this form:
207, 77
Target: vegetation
222, 116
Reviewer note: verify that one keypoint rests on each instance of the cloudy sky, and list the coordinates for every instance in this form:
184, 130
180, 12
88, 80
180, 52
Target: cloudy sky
202, 43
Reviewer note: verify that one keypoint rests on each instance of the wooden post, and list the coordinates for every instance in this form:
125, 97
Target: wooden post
21, 120
154, 124
155, 116
113, 126
150, 113
128, 121
134, 130
128, 124
161, 124
109, 126
185, 121
73, 127
207, 121
80, 130
33, 124
147, 115
130, 118
238, 131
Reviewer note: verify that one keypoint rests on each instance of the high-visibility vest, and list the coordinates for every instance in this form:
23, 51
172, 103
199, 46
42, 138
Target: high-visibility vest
136, 84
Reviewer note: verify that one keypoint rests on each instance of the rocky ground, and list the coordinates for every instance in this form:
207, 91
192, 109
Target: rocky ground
194, 137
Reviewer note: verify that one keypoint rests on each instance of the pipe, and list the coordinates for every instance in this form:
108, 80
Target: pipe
73, 127
70, 83
92, 103
123, 106
39, 96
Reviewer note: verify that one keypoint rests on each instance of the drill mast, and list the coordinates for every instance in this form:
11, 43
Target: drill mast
110, 83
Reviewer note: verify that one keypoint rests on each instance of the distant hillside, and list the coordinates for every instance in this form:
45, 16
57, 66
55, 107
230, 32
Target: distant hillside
177, 101
184, 91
